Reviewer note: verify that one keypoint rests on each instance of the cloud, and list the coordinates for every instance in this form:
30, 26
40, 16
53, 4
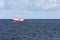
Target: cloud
31, 4
2, 4
17, 4
50, 4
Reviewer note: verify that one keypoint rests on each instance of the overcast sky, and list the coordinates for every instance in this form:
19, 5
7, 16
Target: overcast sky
30, 9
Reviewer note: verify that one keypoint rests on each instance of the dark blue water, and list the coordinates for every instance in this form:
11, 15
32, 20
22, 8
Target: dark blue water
30, 29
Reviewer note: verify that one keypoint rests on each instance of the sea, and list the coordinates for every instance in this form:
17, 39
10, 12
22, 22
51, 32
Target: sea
30, 29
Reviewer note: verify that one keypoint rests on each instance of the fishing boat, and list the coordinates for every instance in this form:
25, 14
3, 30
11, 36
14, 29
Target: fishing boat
17, 20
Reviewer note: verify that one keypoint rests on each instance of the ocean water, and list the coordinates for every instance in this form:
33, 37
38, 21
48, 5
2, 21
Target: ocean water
30, 29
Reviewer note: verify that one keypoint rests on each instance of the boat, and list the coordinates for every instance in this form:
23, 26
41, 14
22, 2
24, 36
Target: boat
17, 20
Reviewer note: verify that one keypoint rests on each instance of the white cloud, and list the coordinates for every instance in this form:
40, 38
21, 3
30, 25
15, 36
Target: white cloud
43, 5
30, 4
39, 3
2, 4
49, 6
18, 4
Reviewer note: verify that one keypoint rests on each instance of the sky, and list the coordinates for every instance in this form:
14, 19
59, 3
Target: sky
30, 9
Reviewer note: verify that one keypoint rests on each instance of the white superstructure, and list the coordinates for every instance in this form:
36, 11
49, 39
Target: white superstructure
18, 19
